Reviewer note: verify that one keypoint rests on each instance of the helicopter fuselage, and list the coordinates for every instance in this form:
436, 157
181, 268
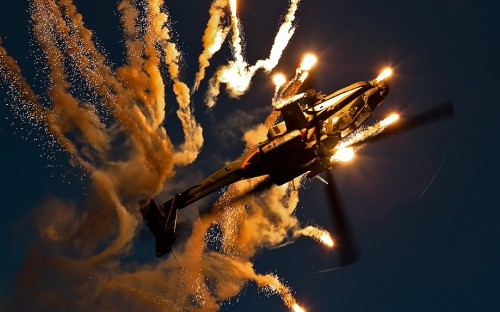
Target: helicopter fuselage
303, 141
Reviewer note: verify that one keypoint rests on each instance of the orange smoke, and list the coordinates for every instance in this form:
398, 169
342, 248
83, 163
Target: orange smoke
213, 38
274, 284
133, 97
119, 139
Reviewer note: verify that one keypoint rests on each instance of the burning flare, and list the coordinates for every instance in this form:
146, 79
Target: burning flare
308, 62
129, 102
327, 239
274, 284
237, 75
384, 75
320, 235
389, 120
297, 308
279, 80
369, 131
343, 154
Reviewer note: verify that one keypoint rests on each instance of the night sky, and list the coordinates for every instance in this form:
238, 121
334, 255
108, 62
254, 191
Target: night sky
424, 205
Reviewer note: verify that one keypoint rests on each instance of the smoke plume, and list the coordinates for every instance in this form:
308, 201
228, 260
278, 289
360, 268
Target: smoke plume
117, 137
237, 75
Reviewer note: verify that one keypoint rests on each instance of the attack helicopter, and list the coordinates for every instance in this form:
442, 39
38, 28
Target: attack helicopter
309, 140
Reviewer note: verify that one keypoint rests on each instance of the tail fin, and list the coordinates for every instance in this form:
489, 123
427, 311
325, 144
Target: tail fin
161, 221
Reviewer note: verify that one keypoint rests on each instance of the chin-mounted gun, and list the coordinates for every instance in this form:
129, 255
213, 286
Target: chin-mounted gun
161, 220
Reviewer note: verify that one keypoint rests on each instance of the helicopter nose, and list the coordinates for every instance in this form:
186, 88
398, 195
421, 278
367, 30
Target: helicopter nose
384, 87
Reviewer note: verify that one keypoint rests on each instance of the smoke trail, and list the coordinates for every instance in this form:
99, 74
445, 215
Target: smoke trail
281, 40
236, 39
80, 131
321, 235
237, 75
245, 224
192, 130
364, 133
119, 139
214, 36
29, 109
158, 32
134, 97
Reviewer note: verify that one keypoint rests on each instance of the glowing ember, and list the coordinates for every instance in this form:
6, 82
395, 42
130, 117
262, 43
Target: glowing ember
384, 75
344, 154
297, 308
279, 80
308, 62
389, 120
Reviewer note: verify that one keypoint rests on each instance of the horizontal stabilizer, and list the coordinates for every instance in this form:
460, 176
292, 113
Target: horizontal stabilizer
161, 220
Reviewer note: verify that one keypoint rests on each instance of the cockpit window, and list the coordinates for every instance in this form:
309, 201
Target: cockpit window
356, 107
362, 116
330, 102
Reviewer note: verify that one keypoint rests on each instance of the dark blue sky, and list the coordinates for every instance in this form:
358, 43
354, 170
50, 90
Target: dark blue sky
425, 205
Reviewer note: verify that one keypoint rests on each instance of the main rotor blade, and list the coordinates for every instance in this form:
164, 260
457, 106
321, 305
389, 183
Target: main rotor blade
443, 111
343, 234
